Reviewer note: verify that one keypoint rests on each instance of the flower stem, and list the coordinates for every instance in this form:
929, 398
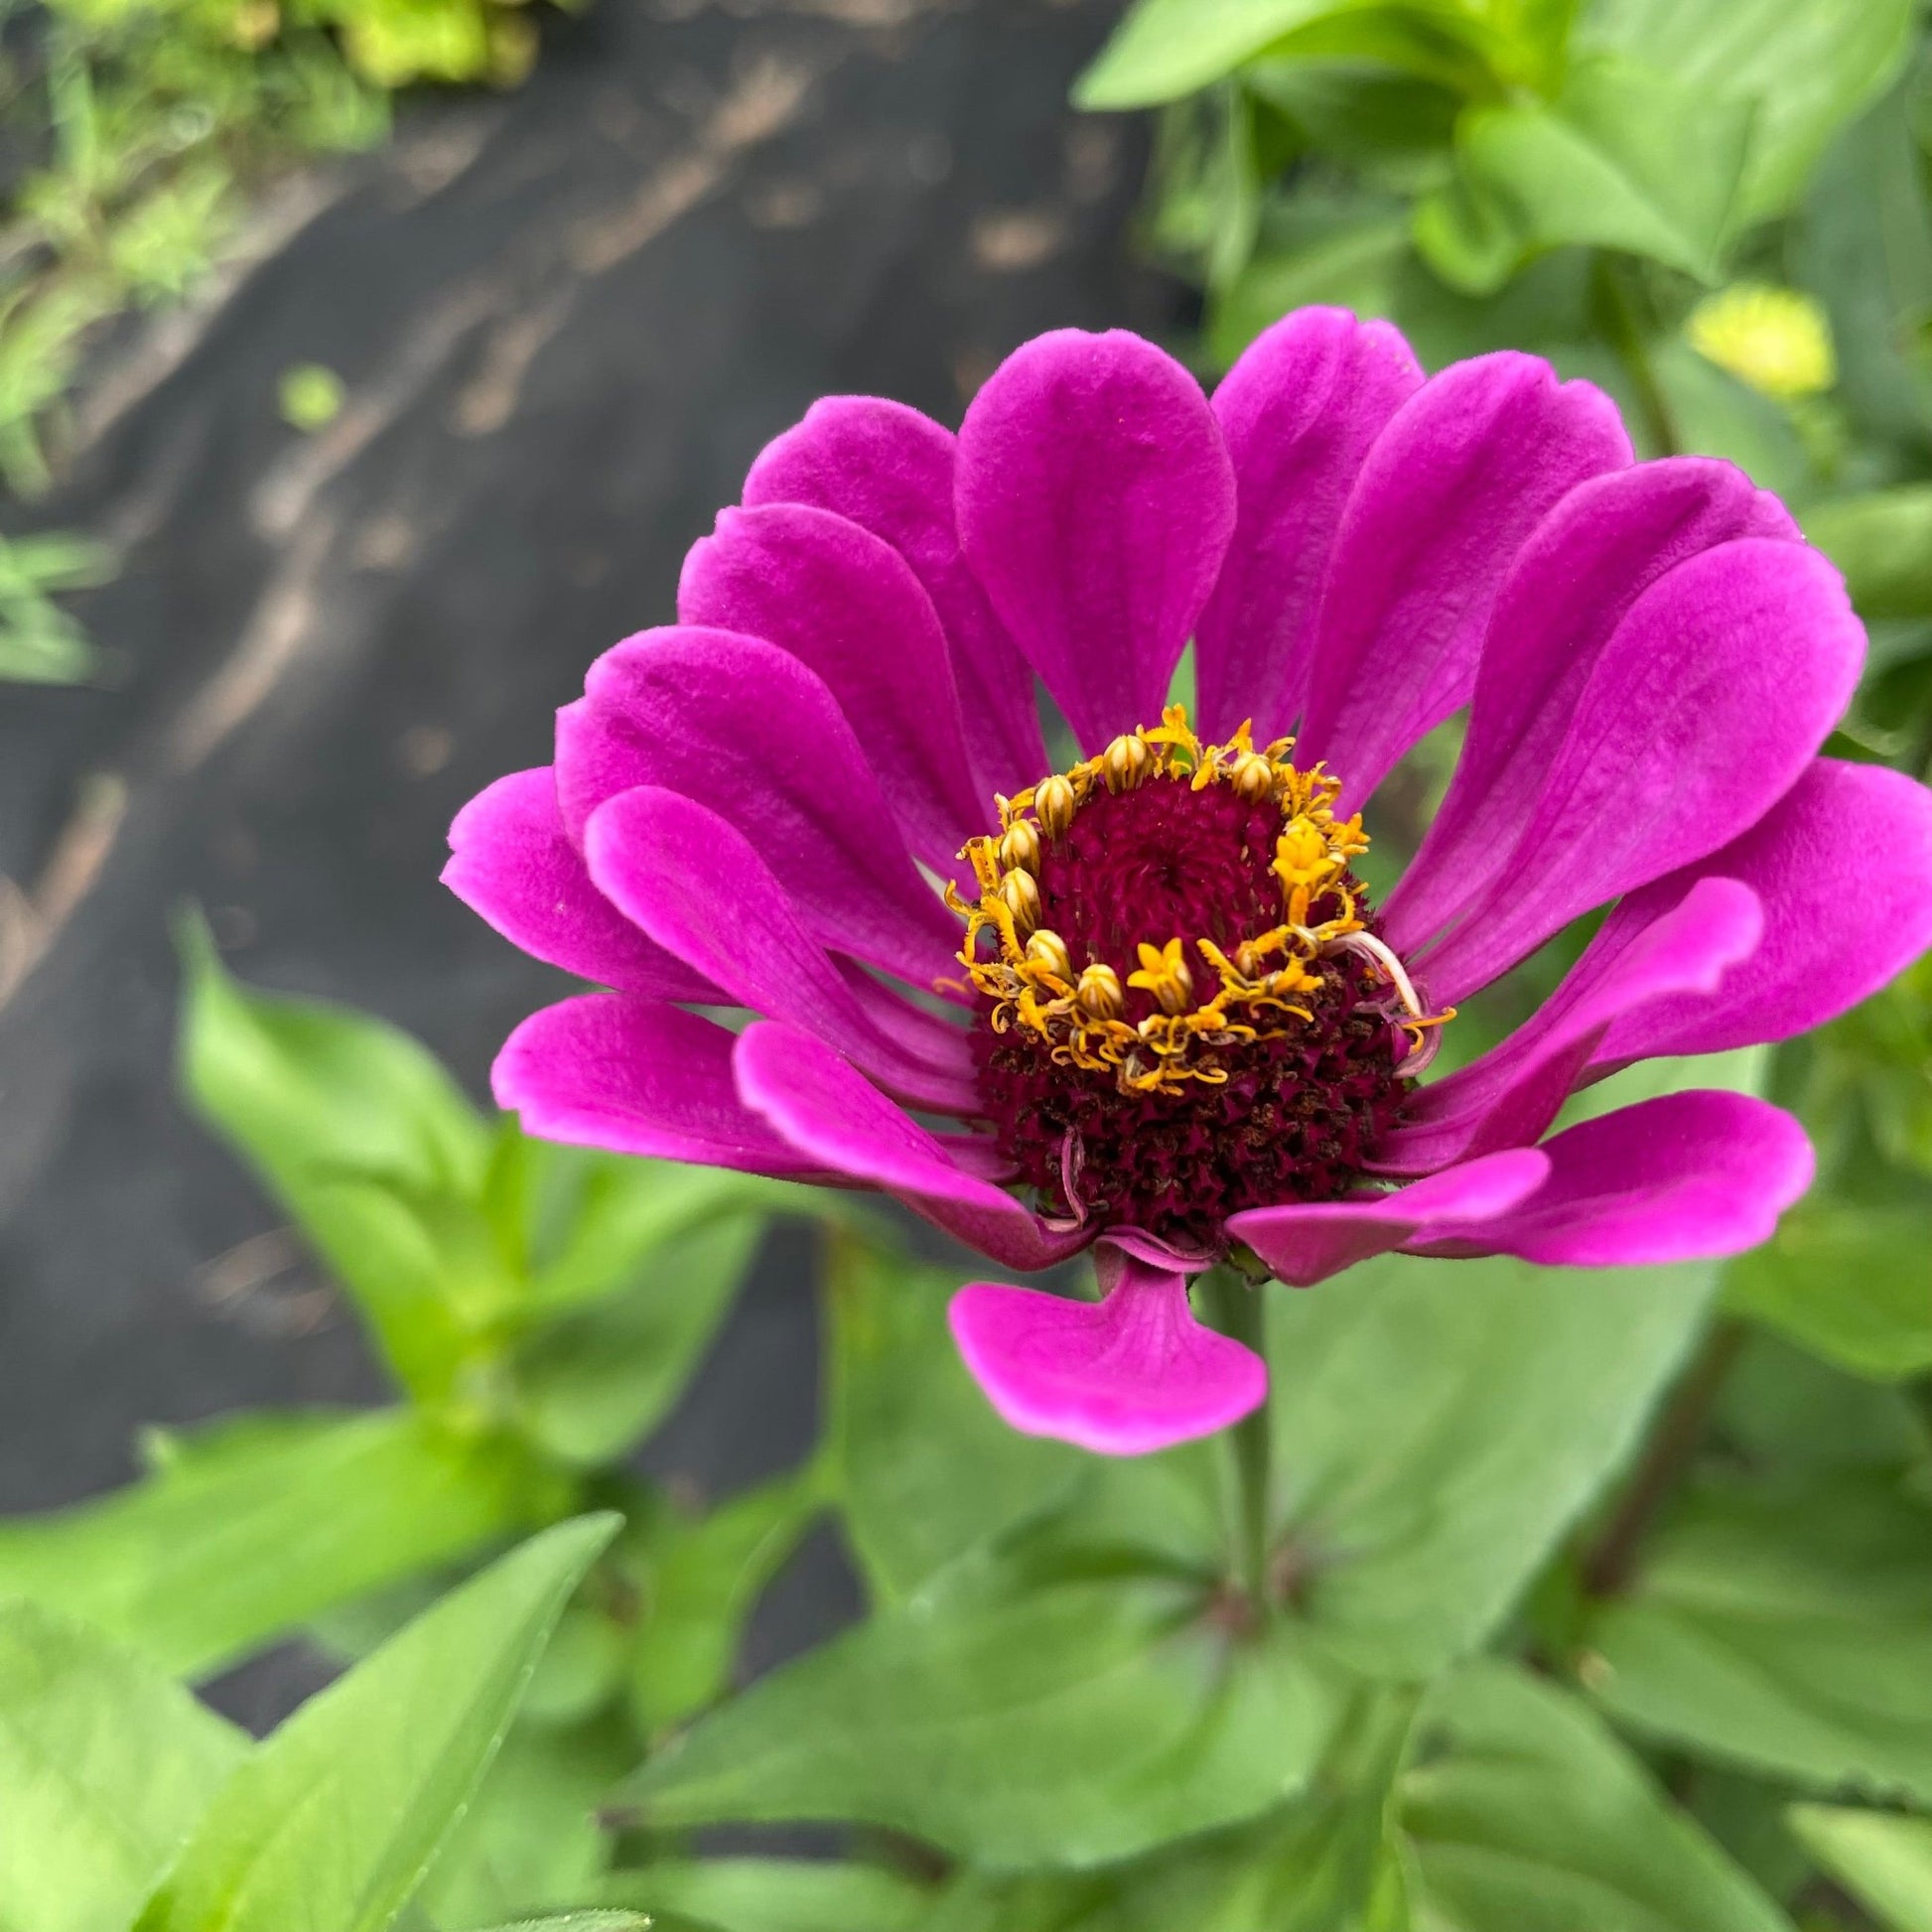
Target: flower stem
1610, 1564
1620, 308
1241, 1311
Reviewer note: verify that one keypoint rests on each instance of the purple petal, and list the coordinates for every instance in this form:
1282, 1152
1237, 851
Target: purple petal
1123, 1376
1300, 411
1465, 470
845, 602
699, 887
511, 862
749, 732
1843, 863
1307, 1242
889, 470
1700, 711
1095, 503
1689, 1177
1573, 583
1514, 1091
836, 1119
636, 1077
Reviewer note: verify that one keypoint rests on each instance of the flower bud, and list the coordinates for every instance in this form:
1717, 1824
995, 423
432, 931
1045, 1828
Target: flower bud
1099, 995
1020, 846
1054, 802
1046, 948
1021, 890
1125, 763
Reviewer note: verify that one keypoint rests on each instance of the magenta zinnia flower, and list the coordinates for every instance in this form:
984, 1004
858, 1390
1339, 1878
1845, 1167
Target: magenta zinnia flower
1144, 998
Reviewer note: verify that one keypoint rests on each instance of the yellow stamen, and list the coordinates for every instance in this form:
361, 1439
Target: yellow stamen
1164, 973
1260, 989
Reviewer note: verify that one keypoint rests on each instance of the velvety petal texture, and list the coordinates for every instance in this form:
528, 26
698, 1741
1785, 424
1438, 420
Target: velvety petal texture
1299, 412
1463, 473
511, 862
637, 1077
1132, 1372
831, 1115
759, 810
889, 470
1095, 503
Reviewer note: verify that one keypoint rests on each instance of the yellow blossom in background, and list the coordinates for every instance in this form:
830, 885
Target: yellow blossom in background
1774, 340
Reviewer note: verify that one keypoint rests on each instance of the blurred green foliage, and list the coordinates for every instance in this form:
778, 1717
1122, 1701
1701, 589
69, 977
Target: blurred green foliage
136, 132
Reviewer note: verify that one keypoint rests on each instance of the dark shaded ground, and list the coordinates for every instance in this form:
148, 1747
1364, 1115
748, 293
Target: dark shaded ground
567, 320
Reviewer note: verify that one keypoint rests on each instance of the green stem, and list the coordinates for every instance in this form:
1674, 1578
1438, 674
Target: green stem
1240, 1311
1620, 307
1611, 1565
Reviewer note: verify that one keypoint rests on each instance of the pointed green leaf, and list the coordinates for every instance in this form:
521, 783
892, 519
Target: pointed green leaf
1070, 1724
593, 1381
262, 1522
1623, 157
1883, 1858
367, 1142
1439, 1424
1785, 1625
1807, 66
1527, 1815
700, 1581
105, 1765
332, 1826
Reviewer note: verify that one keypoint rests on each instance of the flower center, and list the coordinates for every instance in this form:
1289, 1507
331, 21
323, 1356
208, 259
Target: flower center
1187, 1010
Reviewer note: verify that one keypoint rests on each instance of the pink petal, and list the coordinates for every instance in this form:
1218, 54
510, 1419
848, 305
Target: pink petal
845, 602
636, 1077
1464, 471
1123, 1376
889, 470
511, 862
1300, 411
1095, 503
835, 1118
1573, 583
1843, 863
1700, 713
1307, 1242
699, 887
1512, 1093
746, 729
1689, 1177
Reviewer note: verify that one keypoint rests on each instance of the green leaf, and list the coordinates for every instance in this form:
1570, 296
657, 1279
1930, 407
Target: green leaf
261, 1522
1528, 1816
700, 1583
1808, 67
1883, 1859
530, 1843
775, 1896
105, 1765
333, 1823
1623, 157
1439, 1424
923, 1469
1849, 1282
590, 1383
1785, 1625
1165, 49
1344, 257
1882, 542
1068, 1724
365, 1138
1860, 243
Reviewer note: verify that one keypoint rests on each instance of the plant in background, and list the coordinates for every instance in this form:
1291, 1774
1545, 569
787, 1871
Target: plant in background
147, 124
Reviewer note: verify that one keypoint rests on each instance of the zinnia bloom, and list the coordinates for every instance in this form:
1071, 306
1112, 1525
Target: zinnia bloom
1139, 996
